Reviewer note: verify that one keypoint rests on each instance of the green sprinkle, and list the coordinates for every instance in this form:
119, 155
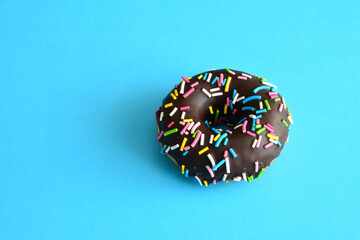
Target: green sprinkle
259, 77
260, 130
170, 131
257, 126
267, 105
216, 116
263, 79
251, 178
195, 133
277, 99
260, 173
285, 123
227, 69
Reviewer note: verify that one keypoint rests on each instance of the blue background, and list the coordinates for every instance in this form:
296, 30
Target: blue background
79, 85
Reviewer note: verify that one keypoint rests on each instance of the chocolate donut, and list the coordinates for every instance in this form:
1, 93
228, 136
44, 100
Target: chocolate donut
223, 125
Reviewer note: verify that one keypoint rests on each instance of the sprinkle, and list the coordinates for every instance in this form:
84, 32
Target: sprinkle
267, 105
221, 80
219, 165
258, 141
283, 101
188, 120
281, 107
173, 96
163, 149
184, 129
205, 183
290, 119
170, 124
224, 177
184, 108
194, 84
256, 166
182, 169
214, 80
244, 126
167, 149
216, 115
246, 75
251, 133
242, 120
217, 94
197, 178
269, 84
194, 128
188, 92
185, 79
161, 116
272, 136
276, 99
237, 179
240, 98
260, 173
227, 165
187, 148
225, 109
260, 105
206, 92
170, 132
210, 157
261, 111
187, 173
203, 150
228, 131
234, 93
268, 145
183, 144
225, 141
217, 137
176, 92
174, 147
168, 105
273, 93
251, 178
220, 139
184, 153
244, 176
211, 110
193, 136
257, 121
285, 123
235, 97
211, 139
205, 76
229, 71
227, 84
173, 111
200, 76
183, 115
248, 108
273, 141
160, 135
210, 171
237, 126
242, 78
182, 86
193, 144
225, 154
232, 152
202, 139
260, 88
251, 98
224, 82
209, 77
254, 143
215, 131
233, 112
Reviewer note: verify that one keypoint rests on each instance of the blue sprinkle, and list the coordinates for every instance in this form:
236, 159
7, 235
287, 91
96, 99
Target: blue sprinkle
248, 108
215, 131
273, 89
205, 76
261, 111
242, 120
163, 148
253, 125
225, 141
234, 93
184, 153
218, 165
278, 142
224, 81
231, 106
207, 124
232, 152
220, 139
258, 116
260, 88
187, 173
214, 80
251, 98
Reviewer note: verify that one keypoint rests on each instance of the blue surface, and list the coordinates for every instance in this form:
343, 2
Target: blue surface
79, 85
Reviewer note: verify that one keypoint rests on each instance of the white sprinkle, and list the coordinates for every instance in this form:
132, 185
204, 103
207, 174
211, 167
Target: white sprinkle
244, 176
237, 126
254, 143
173, 111
261, 105
214, 89
161, 116
259, 141
256, 166
240, 98
224, 177
210, 157
227, 165
273, 140
206, 92
211, 139
269, 84
197, 178
183, 115
231, 72
237, 179
191, 125
195, 127
202, 139
186, 133
209, 77
182, 87
217, 94
283, 101
235, 97
252, 116
167, 149
290, 120
174, 147
246, 75
281, 107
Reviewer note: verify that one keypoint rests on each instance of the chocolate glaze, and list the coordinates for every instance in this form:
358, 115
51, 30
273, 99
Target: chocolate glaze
241, 143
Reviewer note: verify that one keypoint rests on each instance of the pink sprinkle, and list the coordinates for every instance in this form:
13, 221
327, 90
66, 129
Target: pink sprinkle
287, 139
270, 126
274, 96
256, 166
228, 131
210, 171
186, 148
281, 107
182, 123
160, 135
194, 127
227, 101
185, 79
221, 78
268, 145
251, 133
225, 153
242, 77
244, 126
283, 101
258, 141
170, 124
188, 92
184, 129
184, 108
186, 133
272, 93
214, 181
193, 144
175, 86
219, 121
234, 112
257, 121
194, 84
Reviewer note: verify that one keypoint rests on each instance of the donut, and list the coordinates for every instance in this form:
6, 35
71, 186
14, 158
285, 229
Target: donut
223, 125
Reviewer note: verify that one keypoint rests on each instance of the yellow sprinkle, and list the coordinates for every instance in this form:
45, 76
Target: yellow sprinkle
272, 136
225, 109
176, 92
189, 78
211, 110
230, 125
210, 122
227, 84
205, 183
203, 150
182, 169
181, 81
200, 76
217, 137
168, 105
183, 144
173, 96
188, 120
